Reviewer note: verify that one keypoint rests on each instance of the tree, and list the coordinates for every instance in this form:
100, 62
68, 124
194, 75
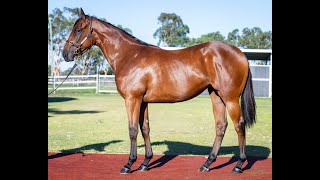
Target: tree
255, 38
61, 27
173, 32
266, 39
213, 36
93, 60
234, 37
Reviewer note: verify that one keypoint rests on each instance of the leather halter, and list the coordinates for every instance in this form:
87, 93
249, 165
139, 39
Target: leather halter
78, 46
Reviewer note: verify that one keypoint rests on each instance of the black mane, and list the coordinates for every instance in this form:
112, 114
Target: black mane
142, 42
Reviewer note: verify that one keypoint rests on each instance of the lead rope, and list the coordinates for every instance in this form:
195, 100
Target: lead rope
75, 64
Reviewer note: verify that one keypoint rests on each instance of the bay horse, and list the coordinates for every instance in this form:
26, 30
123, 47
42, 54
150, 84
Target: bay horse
146, 74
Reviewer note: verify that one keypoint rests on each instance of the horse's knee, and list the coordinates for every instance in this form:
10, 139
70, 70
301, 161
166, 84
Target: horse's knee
145, 131
221, 128
133, 132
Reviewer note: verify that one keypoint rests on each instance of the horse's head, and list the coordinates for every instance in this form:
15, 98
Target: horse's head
80, 38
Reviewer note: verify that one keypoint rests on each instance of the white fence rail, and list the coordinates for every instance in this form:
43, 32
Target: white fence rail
102, 83
261, 77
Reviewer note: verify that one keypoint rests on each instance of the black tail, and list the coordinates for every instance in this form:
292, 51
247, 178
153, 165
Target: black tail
248, 103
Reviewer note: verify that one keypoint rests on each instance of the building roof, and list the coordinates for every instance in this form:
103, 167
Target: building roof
257, 54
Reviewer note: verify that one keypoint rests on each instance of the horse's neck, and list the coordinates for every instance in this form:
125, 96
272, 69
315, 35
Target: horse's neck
113, 45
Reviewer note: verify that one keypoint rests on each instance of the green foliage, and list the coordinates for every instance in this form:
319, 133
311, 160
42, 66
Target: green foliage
255, 38
61, 25
214, 36
234, 37
172, 32
97, 58
94, 61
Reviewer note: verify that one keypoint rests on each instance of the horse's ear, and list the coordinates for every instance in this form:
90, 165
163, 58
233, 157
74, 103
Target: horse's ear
81, 14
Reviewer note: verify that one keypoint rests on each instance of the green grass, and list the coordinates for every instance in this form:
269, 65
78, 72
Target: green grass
98, 123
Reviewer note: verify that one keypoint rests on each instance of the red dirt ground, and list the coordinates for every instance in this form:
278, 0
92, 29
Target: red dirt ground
107, 166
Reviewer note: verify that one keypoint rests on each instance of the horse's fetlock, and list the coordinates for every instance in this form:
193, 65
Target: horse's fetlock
149, 155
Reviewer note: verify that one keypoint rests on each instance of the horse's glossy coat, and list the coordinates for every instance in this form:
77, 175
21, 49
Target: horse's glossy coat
148, 74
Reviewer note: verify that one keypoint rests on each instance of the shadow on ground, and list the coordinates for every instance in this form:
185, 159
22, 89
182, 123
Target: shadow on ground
60, 99
254, 153
100, 147
56, 111
63, 99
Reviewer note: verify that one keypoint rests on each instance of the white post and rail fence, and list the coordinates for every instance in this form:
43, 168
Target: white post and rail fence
101, 83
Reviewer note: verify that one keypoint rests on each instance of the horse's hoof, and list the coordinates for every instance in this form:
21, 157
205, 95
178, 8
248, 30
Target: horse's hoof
125, 170
237, 170
203, 169
143, 168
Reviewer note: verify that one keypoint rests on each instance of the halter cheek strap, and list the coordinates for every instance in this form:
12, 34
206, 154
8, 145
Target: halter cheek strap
78, 46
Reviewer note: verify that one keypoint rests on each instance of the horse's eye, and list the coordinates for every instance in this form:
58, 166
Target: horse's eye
79, 30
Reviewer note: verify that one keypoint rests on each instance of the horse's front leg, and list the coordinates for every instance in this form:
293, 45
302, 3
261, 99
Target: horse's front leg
145, 129
133, 109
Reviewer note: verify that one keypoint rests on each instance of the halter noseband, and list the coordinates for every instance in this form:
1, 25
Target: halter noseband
78, 46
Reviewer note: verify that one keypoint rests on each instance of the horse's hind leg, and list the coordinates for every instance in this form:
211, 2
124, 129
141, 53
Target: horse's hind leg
219, 111
239, 125
145, 129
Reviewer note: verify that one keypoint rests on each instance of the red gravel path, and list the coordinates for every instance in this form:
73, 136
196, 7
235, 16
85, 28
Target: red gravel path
107, 166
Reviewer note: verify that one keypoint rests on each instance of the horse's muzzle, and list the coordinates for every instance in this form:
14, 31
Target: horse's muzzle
68, 56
